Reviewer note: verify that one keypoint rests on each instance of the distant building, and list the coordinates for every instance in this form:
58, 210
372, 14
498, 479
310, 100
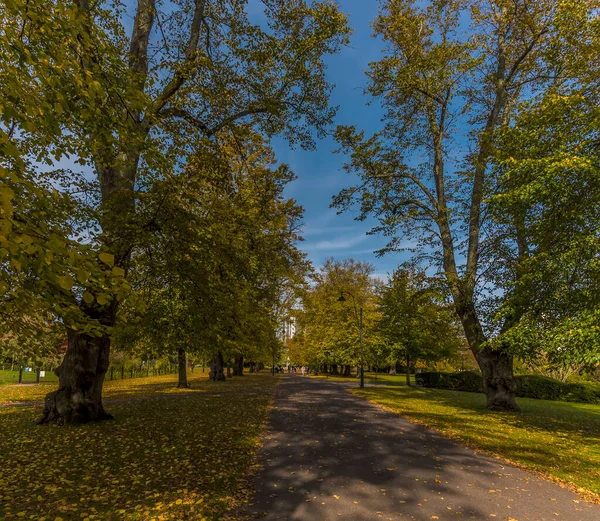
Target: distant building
288, 329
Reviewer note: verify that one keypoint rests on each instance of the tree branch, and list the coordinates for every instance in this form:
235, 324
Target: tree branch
179, 78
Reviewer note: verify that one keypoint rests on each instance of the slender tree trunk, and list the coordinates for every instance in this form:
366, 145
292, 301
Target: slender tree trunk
347, 370
251, 367
37, 375
229, 370
334, 369
81, 375
182, 365
408, 368
20, 374
216, 369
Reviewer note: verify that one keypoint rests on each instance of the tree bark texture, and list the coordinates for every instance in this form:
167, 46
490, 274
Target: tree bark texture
217, 373
182, 365
498, 382
81, 375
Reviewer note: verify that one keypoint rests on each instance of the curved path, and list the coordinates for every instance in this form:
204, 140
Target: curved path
330, 455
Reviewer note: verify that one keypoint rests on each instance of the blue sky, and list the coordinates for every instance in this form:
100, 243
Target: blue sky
320, 173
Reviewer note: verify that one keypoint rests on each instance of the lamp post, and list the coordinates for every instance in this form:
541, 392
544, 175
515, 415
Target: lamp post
360, 329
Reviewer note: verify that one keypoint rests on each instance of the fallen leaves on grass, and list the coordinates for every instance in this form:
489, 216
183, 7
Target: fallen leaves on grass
171, 458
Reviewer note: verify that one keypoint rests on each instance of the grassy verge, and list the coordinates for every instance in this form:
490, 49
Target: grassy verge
163, 459
558, 439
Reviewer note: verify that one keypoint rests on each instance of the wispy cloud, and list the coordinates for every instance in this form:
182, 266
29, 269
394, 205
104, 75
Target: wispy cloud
311, 231
340, 243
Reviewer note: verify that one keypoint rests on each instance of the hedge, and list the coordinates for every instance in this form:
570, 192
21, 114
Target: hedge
528, 386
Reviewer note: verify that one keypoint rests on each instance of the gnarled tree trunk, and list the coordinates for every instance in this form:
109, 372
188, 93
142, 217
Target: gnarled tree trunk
81, 375
496, 365
216, 369
498, 382
182, 366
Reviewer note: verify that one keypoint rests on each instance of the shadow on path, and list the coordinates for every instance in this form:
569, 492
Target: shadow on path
331, 455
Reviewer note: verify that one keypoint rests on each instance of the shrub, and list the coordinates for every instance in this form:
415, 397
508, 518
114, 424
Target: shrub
528, 386
461, 381
429, 379
465, 381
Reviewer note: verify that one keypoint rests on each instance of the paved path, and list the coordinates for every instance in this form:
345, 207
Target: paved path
330, 455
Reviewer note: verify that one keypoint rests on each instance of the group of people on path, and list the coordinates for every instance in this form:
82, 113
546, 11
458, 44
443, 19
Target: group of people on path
293, 369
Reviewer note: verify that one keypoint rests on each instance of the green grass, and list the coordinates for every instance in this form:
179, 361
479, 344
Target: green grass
167, 455
8, 377
558, 439
388, 379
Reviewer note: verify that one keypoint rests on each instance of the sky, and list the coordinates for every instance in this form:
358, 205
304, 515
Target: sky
320, 172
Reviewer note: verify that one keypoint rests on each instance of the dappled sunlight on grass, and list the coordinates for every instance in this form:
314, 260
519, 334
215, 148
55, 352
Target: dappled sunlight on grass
180, 458
557, 438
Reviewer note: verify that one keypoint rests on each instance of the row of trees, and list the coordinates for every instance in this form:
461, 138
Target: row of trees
488, 162
406, 319
139, 203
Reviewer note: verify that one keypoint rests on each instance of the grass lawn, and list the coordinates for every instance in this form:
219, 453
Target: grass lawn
12, 377
388, 379
168, 455
558, 439
113, 388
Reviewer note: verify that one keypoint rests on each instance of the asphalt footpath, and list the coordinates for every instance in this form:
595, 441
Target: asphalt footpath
329, 455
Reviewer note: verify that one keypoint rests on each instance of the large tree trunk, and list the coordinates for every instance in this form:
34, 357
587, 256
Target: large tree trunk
238, 366
182, 365
216, 369
81, 375
334, 369
498, 382
347, 370
496, 365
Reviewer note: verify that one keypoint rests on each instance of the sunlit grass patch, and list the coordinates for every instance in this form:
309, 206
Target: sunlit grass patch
559, 439
175, 458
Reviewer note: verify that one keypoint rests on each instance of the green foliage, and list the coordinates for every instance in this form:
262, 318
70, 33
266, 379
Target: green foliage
325, 324
416, 321
76, 85
546, 205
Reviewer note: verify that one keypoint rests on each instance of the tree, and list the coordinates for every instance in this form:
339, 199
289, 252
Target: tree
220, 251
415, 321
130, 108
427, 173
326, 325
548, 168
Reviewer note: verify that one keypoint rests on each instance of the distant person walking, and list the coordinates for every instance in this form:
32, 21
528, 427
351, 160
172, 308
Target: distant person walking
303, 370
